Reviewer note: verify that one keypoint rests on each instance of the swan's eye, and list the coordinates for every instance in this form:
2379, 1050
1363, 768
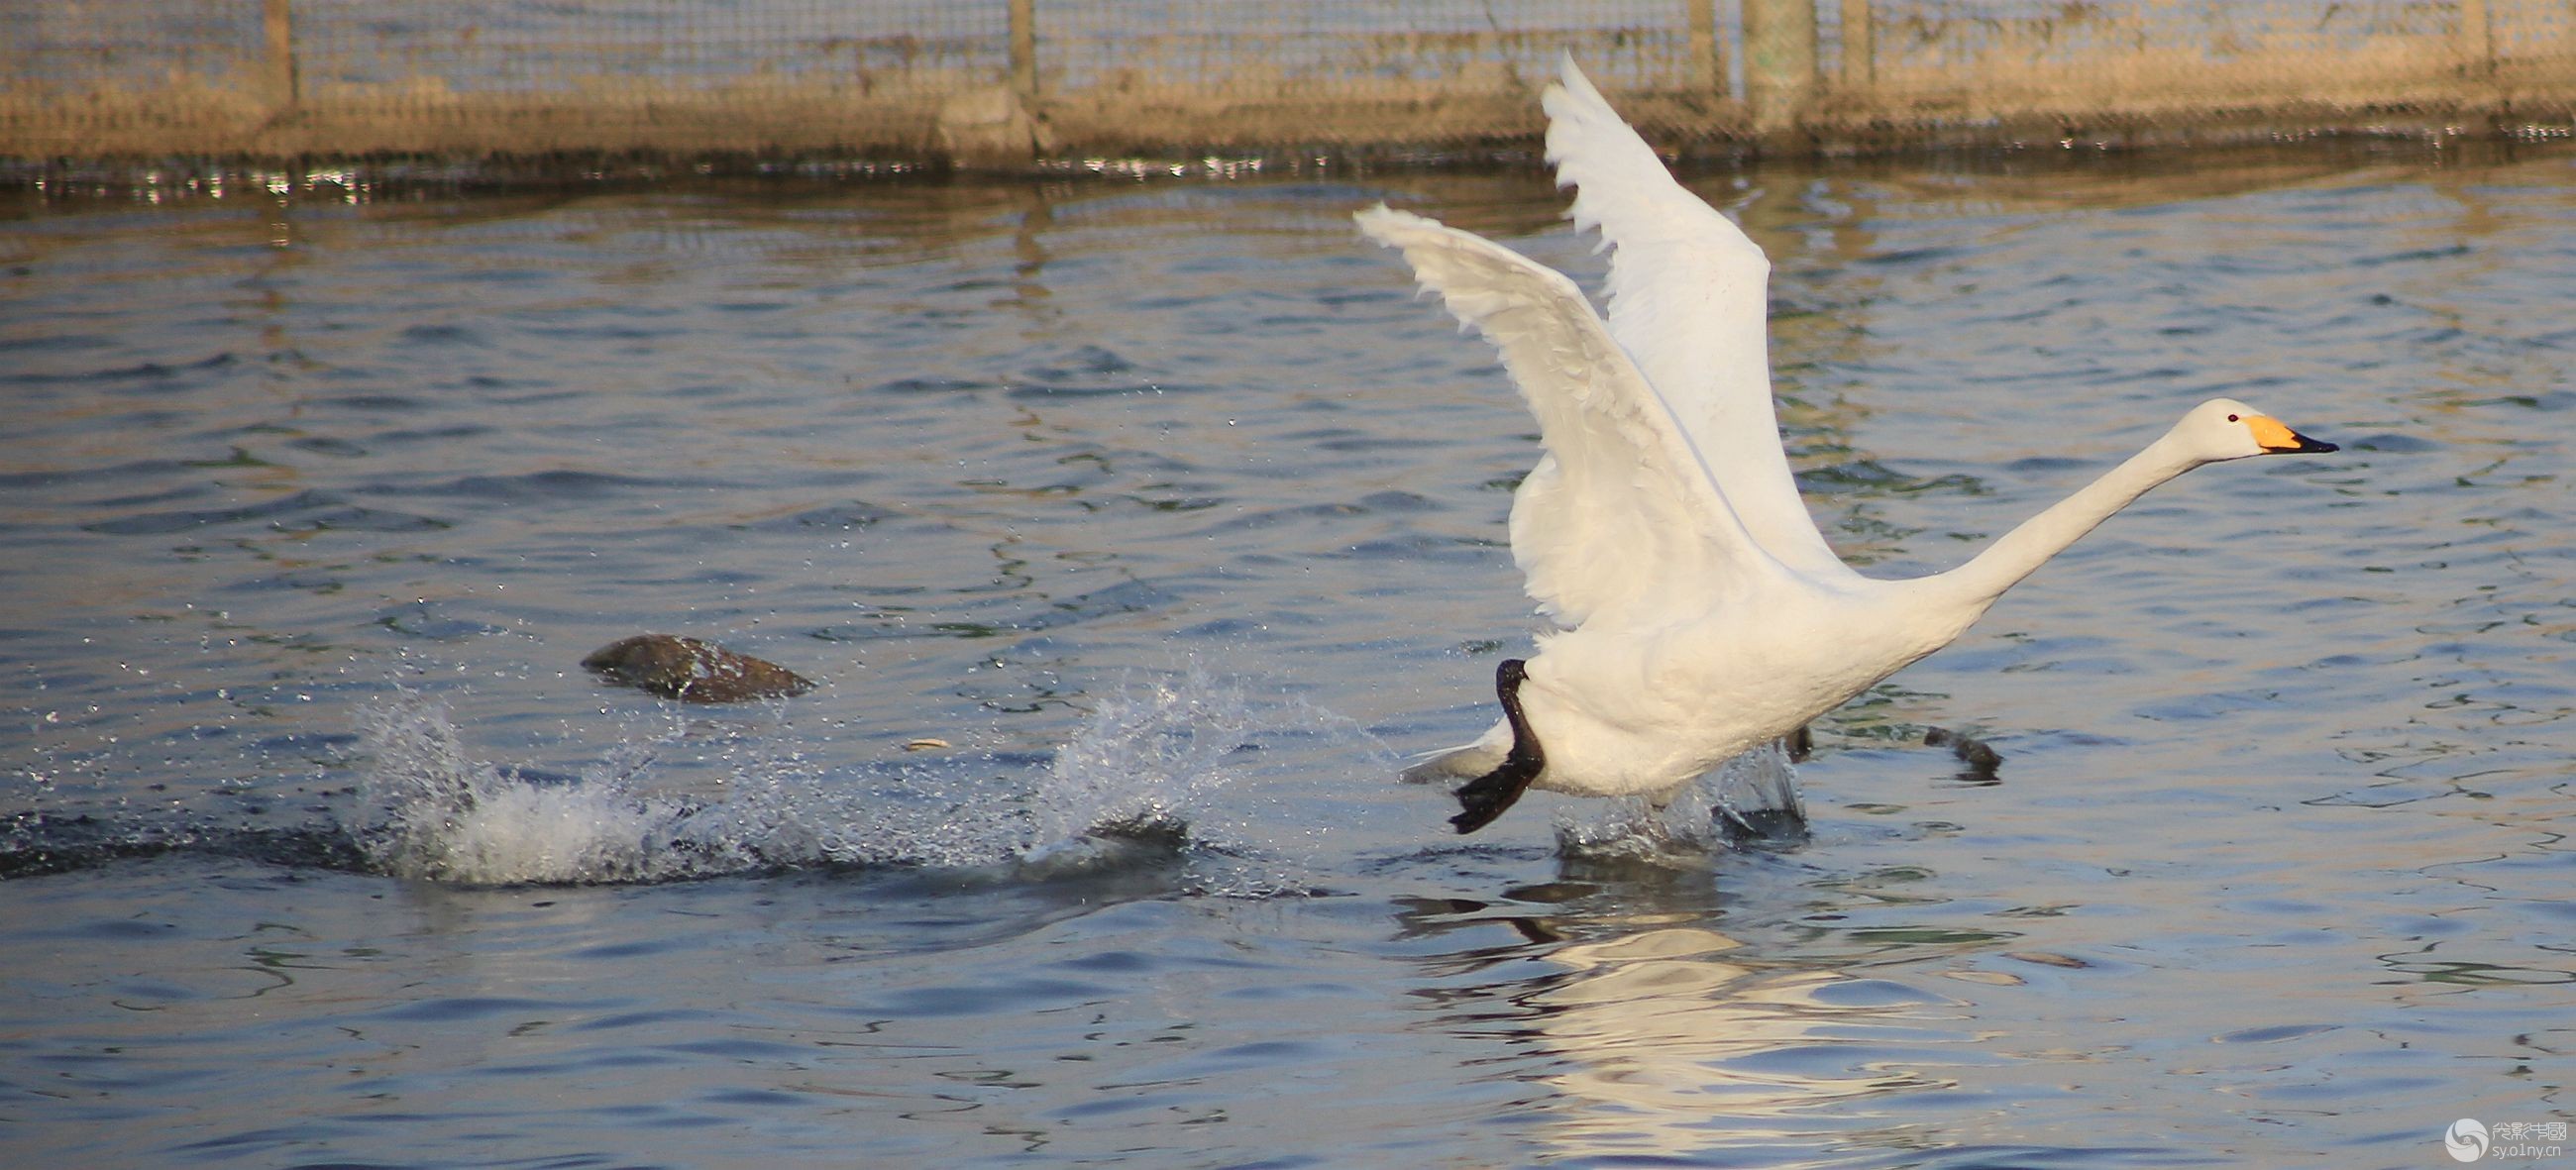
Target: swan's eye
2231, 418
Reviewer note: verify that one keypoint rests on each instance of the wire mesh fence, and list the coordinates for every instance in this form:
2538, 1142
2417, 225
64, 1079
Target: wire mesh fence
1008, 81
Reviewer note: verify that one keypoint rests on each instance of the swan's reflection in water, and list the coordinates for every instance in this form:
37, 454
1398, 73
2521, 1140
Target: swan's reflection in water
1662, 1036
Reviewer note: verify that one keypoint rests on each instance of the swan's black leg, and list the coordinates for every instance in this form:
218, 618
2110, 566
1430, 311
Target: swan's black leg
1486, 796
1799, 744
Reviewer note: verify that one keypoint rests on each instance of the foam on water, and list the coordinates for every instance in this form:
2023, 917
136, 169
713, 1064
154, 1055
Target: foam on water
1156, 772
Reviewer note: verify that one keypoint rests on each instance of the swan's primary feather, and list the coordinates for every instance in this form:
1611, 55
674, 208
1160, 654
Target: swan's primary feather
1688, 301
1621, 504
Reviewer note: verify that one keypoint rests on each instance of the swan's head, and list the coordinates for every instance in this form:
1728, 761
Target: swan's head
2223, 428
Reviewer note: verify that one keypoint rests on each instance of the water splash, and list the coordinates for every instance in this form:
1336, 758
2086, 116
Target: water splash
1751, 798
434, 812
1148, 764
1155, 775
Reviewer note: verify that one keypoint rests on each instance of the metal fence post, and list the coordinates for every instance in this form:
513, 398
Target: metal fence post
2476, 40
1024, 51
1860, 71
1708, 72
278, 19
1779, 61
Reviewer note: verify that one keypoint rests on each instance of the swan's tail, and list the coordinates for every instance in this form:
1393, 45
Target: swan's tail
1458, 763
1464, 762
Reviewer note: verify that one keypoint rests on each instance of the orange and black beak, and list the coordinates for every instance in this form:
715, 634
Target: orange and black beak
2281, 440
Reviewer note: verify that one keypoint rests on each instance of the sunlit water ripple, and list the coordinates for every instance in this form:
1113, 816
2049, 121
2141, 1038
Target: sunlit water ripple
1167, 508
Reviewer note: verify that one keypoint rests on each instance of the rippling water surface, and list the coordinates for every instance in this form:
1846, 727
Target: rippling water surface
1166, 505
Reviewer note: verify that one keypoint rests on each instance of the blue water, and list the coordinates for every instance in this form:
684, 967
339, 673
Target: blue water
1168, 504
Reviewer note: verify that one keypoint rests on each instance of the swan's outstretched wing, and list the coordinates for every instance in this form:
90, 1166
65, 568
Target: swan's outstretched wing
1687, 299
1620, 510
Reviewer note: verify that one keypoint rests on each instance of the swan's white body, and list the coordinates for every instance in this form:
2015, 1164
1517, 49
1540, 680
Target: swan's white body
1698, 611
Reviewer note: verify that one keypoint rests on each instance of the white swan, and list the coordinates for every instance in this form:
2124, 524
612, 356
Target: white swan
1699, 612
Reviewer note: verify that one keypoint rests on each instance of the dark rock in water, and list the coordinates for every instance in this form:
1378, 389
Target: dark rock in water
692, 671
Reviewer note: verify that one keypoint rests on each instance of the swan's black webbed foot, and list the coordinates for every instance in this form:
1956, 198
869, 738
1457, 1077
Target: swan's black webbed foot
1486, 796
1762, 826
1981, 761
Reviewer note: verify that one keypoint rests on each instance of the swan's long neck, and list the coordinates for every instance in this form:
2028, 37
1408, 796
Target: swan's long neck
2016, 554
